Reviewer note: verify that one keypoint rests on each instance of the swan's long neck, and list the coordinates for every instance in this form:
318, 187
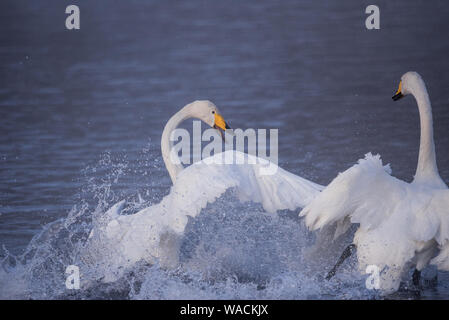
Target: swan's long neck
172, 163
427, 170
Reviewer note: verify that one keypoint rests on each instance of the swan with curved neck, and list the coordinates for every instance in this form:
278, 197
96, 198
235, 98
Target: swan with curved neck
203, 110
154, 232
399, 222
427, 170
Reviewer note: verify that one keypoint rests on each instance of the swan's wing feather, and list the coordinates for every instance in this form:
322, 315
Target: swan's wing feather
255, 179
363, 193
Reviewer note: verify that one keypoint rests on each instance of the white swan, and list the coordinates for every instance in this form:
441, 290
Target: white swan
401, 223
154, 233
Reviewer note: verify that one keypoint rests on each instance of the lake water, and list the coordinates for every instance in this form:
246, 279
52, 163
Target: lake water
82, 112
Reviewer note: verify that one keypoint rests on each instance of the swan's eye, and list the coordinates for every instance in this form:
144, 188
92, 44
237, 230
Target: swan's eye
213, 111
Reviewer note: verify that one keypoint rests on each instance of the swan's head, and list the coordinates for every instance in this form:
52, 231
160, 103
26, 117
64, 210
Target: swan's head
208, 112
410, 83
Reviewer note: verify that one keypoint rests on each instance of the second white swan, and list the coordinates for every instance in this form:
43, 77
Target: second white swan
401, 223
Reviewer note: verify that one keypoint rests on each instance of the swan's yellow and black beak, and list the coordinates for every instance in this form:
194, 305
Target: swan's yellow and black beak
398, 95
220, 124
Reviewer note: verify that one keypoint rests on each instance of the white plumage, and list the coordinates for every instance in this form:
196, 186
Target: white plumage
400, 224
120, 241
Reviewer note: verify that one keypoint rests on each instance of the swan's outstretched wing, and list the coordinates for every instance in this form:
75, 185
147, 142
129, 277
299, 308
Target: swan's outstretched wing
154, 231
396, 219
255, 179
364, 192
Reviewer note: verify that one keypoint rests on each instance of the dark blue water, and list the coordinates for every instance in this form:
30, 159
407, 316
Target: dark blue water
81, 112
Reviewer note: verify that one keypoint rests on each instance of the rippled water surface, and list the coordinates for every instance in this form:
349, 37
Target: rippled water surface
81, 115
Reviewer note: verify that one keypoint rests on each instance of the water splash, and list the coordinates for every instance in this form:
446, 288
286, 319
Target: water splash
232, 250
